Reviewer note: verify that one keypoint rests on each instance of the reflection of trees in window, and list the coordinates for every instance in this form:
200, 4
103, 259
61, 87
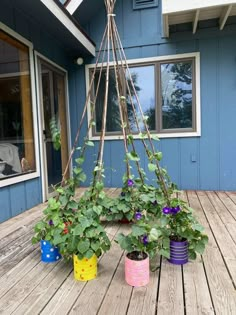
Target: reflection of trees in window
113, 123
176, 79
113, 115
144, 81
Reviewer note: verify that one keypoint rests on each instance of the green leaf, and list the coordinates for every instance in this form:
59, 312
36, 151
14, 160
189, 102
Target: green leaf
200, 247
142, 135
165, 253
97, 168
85, 222
99, 186
192, 255
78, 230
82, 177
132, 156
60, 190
198, 227
83, 246
80, 160
97, 210
154, 234
89, 254
102, 195
138, 230
89, 143
95, 246
155, 137
158, 156
152, 167
77, 170
163, 221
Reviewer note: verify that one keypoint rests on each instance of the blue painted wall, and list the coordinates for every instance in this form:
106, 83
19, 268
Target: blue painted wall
215, 150
17, 198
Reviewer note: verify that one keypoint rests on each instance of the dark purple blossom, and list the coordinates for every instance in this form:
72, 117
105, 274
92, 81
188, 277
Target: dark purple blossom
50, 222
130, 182
145, 240
138, 215
175, 210
166, 210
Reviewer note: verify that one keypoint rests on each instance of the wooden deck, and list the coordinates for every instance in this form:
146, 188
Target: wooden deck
206, 286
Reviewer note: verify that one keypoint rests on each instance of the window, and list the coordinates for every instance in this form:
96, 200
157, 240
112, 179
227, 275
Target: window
167, 91
17, 153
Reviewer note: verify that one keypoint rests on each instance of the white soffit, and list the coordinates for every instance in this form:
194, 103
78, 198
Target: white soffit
73, 5
185, 11
63, 18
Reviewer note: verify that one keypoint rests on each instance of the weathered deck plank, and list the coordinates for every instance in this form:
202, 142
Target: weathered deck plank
206, 286
220, 284
170, 297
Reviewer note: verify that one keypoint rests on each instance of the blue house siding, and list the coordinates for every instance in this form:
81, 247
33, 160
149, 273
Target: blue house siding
19, 197
206, 162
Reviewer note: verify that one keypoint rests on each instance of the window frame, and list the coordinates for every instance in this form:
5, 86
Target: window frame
24, 177
176, 133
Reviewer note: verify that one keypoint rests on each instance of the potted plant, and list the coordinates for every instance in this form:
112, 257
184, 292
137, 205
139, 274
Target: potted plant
44, 233
86, 238
140, 244
179, 231
54, 226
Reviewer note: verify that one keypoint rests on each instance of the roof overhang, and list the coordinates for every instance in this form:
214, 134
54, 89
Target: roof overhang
62, 16
185, 11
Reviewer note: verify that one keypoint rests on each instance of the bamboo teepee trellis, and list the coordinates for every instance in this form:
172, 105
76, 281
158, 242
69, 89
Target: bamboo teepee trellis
111, 55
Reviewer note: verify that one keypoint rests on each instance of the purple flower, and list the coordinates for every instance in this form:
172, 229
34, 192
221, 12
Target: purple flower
166, 210
130, 183
175, 210
138, 215
50, 222
145, 240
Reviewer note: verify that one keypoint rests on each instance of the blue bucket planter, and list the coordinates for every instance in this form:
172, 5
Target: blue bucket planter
49, 253
178, 252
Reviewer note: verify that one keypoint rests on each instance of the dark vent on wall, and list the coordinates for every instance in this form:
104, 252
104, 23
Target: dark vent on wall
143, 4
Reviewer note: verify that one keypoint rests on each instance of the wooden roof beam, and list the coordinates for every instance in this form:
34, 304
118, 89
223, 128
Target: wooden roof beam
166, 27
224, 16
195, 22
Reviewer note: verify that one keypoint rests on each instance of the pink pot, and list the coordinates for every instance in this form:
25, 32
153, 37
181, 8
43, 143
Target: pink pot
137, 272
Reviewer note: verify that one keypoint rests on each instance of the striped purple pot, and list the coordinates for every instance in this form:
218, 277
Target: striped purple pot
178, 252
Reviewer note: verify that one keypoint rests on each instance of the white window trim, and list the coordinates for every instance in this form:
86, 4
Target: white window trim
42, 157
22, 178
196, 133
73, 5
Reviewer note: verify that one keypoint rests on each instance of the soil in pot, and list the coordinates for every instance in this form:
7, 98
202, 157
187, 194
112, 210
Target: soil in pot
124, 221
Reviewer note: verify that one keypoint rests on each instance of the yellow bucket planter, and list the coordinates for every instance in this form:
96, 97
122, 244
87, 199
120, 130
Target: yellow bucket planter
85, 269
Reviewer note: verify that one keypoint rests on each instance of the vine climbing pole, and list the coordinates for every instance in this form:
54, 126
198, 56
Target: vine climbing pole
112, 57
